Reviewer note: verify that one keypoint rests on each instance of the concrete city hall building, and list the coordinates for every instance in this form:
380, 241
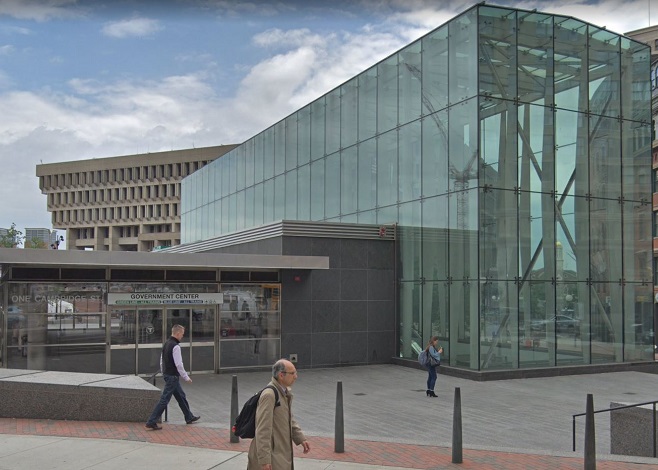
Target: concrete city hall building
489, 184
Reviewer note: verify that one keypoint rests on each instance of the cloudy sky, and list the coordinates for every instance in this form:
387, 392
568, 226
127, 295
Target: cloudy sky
85, 79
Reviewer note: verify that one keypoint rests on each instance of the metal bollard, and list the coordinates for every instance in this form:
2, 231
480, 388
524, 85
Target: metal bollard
339, 443
234, 408
457, 456
590, 439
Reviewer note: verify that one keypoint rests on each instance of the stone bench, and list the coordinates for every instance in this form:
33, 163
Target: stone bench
631, 430
75, 396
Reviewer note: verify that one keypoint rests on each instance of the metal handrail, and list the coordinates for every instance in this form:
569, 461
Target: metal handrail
653, 420
152, 379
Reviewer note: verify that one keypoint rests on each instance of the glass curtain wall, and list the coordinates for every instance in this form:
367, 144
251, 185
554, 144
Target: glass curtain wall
512, 148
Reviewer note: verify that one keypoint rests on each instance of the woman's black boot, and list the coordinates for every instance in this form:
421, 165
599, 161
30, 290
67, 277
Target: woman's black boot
431, 393
428, 393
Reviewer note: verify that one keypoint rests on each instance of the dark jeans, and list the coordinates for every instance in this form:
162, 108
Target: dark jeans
172, 387
431, 378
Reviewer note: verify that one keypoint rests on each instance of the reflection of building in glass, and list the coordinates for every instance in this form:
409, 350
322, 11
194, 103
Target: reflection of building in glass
510, 147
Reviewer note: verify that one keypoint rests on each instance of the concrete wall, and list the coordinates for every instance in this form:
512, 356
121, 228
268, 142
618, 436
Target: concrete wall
631, 430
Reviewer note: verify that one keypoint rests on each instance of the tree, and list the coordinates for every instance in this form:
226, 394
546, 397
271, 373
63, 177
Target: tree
36, 243
12, 238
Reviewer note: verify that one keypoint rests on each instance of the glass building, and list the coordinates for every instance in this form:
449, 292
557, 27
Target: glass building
512, 150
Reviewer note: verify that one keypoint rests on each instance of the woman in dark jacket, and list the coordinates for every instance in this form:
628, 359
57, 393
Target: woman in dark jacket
434, 359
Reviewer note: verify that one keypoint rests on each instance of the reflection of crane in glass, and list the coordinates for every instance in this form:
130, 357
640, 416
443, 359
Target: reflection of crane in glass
461, 179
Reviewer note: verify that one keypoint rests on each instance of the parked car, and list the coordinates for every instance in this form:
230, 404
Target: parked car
563, 324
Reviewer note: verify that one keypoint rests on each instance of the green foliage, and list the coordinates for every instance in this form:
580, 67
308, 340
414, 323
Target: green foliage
36, 243
12, 239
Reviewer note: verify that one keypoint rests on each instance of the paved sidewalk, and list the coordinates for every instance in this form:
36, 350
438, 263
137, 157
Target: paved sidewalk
389, 423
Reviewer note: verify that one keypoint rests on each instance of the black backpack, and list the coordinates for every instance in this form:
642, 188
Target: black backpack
245, 423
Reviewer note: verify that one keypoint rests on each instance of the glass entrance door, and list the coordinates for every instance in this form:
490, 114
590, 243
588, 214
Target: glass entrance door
198, 345
136, 337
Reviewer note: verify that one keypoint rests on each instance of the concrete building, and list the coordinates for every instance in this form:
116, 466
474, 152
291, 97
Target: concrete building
128, 203
47, 236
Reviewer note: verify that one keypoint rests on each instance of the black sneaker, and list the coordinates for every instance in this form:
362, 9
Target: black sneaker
153, 427
193, 419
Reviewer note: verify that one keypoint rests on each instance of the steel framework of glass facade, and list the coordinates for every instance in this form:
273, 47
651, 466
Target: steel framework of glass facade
513, 150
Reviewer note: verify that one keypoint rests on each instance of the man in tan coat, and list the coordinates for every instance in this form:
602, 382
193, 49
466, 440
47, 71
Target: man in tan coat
276, 430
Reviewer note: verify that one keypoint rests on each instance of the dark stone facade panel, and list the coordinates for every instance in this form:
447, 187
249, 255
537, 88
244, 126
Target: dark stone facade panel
326, 284
300, 344
381, 254
296, 316
381, 316
269, 246
381, 285
297, 246
353, 316
354, 348
381, 347
354, 254
293, 289
353, 284
326, 350
326, 316
328, 247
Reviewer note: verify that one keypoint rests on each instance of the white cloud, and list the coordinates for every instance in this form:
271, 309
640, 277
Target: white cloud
7, 49
132, 27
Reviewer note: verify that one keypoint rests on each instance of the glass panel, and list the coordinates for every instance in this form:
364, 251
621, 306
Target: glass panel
387, 168
498, 325
232, 213
463, 234
78, 358
279, 197
367, 217
463, 58
348, 113
497, 66
536, 236
572, 255
240, 210
637, 242
387, 215
536, 145
304, 193
498, 234
317, 190
249, 165
249, 207
635, 87
349, 180
435, 154
604, 72
409, 83
499, 155
259, 159
332, 186
203, 358
535, 58
409, 233
605, 242
435, 71
410, 155
203, 325
635, 171
268, 201
570, 323
304, 135
435, 238
279, 147
387, 94
464, 323
367, 175
638, 323
268, 153
606, 318
317, 129
240, 175
411, 341
570, 56
367, 104
291, 195
571, 166
258, 205
240, 353
605, 157
333, 121
536, 299
291, 142
233, 171
436, 316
